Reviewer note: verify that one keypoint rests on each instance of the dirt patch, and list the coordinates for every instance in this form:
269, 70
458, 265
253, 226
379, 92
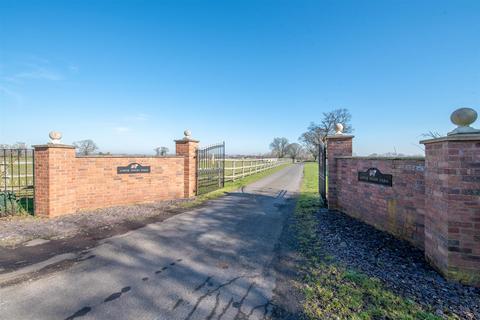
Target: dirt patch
73, 233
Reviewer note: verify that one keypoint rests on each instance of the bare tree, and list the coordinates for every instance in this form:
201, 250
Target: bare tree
279, 147
85, 147
330, 119
311, 140
316, 134
431, 135
19, 145
161, 151
294, 150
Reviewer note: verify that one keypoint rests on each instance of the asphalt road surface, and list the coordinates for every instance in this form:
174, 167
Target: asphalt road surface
213, 262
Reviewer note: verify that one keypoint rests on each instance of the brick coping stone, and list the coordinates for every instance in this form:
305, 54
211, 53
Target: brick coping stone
454, 137
381, 158
53, 145
126, 156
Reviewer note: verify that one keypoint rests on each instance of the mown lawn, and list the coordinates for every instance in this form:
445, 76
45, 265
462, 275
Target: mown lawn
332, 291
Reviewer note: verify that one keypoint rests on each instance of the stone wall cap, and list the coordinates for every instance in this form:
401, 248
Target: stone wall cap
453, 137
54, 145
341, 136
185, 140
381, 158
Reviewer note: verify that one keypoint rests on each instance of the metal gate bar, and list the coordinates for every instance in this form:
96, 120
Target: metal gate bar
17, 187
210, 168
322, 172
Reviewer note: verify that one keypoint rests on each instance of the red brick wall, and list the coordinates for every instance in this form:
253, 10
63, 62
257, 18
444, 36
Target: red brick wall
98, 185
41, 182
188, 148
54, 191
399, 209
337, 146
434, 202
65, 183
452, 224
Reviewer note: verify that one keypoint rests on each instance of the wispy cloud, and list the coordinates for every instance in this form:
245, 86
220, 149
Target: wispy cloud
121, 129
35, 73
15, 75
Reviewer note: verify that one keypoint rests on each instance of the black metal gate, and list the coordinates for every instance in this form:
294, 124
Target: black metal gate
322, 172
210, 168
17, 181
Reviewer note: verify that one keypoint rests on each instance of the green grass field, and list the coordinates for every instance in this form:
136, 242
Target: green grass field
331, 290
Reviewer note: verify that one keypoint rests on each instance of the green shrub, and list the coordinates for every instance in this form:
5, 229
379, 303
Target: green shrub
10, 204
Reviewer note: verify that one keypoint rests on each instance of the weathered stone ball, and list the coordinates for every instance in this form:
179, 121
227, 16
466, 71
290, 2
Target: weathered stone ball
55, 135
187, 133
339, 127
464, 117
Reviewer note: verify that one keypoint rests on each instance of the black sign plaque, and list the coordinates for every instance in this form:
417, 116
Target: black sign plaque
133, 168
373, 175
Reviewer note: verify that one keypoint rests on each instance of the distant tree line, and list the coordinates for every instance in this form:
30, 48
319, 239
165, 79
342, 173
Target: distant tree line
312, 139
89, 147
17, 145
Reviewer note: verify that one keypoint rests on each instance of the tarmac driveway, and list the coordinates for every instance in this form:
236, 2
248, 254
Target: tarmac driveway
213, 262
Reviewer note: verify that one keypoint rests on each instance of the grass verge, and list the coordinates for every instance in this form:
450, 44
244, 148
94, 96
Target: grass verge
232, 186
332, 291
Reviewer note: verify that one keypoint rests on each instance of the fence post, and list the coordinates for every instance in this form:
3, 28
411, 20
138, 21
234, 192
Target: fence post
452, 197
187, 147
233, 170
243, 168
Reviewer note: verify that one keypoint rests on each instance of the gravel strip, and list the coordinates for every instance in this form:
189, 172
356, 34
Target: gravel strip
401, 267
16, 230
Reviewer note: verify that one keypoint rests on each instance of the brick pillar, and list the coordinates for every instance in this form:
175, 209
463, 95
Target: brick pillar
338, 145
54, 190
188, 148
452, 217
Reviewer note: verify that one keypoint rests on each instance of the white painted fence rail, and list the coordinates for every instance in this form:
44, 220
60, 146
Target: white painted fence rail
240, 168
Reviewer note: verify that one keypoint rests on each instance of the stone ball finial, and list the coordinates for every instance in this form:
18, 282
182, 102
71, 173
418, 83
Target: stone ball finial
338, 128
55, 137
188, 134
463, 118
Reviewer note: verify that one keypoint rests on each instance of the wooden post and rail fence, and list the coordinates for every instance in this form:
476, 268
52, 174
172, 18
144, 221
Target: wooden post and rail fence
240, 168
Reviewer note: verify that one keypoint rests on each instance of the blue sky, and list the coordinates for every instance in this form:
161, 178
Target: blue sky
132, 75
